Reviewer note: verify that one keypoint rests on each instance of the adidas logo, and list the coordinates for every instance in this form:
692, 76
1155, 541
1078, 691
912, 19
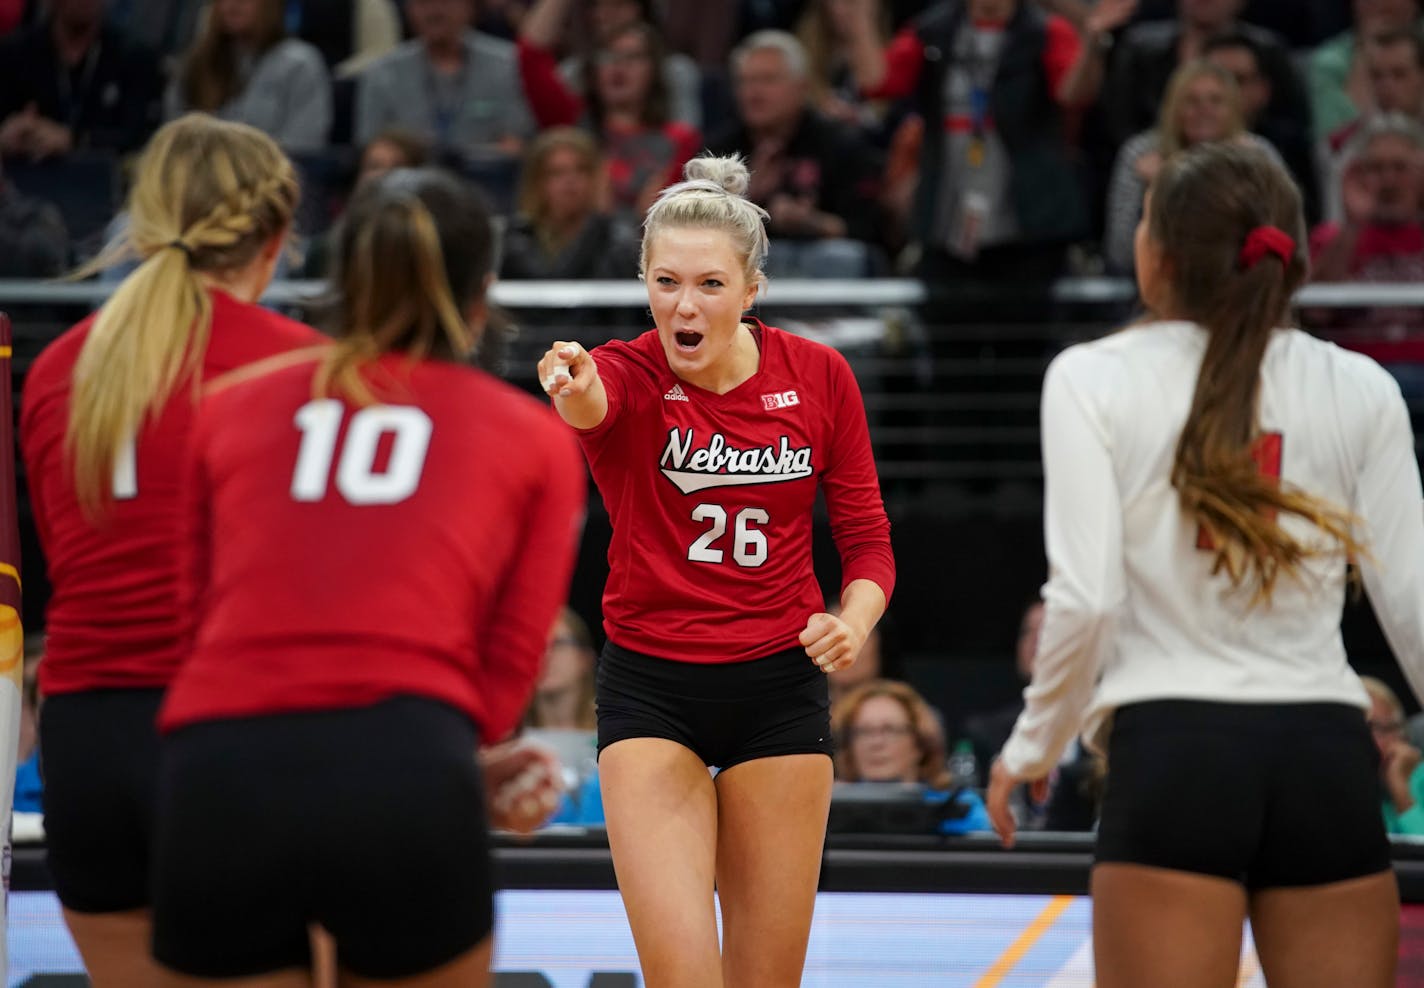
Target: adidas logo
676, 394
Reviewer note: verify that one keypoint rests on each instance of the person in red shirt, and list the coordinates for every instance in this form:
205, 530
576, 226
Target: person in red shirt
104, 421
378, 540
709, 438
1381, 238
626, 103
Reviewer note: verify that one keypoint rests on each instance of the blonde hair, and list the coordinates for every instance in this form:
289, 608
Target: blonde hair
1169, 131
713, 196
206, 197
415, 245
930, 770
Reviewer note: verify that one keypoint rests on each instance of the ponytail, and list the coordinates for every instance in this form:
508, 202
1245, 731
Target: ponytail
1229, 222
208, 195
414, 248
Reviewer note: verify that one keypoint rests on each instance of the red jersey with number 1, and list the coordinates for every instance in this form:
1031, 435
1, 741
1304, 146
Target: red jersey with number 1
711, 497
342, 555
113, 620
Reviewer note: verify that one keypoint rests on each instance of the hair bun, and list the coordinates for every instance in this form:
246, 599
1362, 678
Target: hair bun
729, 172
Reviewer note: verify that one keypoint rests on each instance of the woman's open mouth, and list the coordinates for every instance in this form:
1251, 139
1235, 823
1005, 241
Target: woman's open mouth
687, 340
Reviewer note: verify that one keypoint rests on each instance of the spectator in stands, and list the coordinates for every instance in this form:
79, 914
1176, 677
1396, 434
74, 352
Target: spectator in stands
627, 104
818, 179
33, 239
458, 88
1340, 88
682, 79
563, 696
1380, 238
1289, 136
1401, 764
999, 198
1394, 69
1145, 58
826, 29
244, 68
393, 148
1203, 103
886, 732
563, 703
563, 228
69, 82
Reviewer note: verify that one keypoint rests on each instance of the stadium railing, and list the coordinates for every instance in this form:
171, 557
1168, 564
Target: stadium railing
951, 408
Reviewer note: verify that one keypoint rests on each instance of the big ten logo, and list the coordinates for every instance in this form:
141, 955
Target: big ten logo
533, 979
782, 399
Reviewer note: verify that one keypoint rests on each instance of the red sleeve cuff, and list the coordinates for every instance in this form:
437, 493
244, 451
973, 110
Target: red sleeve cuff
876, 564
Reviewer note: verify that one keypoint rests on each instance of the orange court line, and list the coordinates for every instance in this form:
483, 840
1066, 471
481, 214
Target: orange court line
1030, 936
6, 351
7, 570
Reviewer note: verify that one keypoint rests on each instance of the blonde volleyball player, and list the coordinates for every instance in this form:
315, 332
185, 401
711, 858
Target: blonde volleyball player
105, 419
1209, 473
709, 438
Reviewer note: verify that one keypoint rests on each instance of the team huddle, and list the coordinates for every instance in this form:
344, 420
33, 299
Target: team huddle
303, 582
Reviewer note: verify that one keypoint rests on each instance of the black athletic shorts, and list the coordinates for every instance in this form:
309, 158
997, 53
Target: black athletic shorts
1268, 795
727, 713
370, 822
99, 761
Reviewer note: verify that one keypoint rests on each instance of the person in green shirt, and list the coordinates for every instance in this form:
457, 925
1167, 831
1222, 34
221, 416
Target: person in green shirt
1401, 763
1339, 87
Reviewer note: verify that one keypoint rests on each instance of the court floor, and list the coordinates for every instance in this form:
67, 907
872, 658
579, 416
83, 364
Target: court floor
859, 940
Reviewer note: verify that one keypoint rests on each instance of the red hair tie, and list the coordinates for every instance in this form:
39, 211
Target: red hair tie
1266, 240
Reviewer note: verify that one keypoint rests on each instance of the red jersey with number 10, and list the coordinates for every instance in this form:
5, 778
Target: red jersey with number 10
342, 555
113, 621
711, 497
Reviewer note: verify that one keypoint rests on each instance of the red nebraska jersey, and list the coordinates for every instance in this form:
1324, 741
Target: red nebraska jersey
338, 555
113, 621
711, 497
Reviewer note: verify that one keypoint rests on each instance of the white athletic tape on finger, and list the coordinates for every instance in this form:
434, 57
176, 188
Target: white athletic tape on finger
551, 378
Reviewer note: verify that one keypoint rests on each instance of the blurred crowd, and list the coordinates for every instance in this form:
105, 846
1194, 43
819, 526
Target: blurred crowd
972, 142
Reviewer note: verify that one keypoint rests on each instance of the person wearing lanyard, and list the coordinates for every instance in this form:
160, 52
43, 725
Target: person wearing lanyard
999, 75
70, 82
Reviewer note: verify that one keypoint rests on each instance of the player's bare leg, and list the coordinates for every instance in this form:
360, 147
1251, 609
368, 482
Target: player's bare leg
661, 810
771, 829
1323, 935
1190, 937
116, 947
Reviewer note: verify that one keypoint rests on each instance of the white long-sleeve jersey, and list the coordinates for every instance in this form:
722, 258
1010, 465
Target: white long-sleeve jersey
1133, 611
